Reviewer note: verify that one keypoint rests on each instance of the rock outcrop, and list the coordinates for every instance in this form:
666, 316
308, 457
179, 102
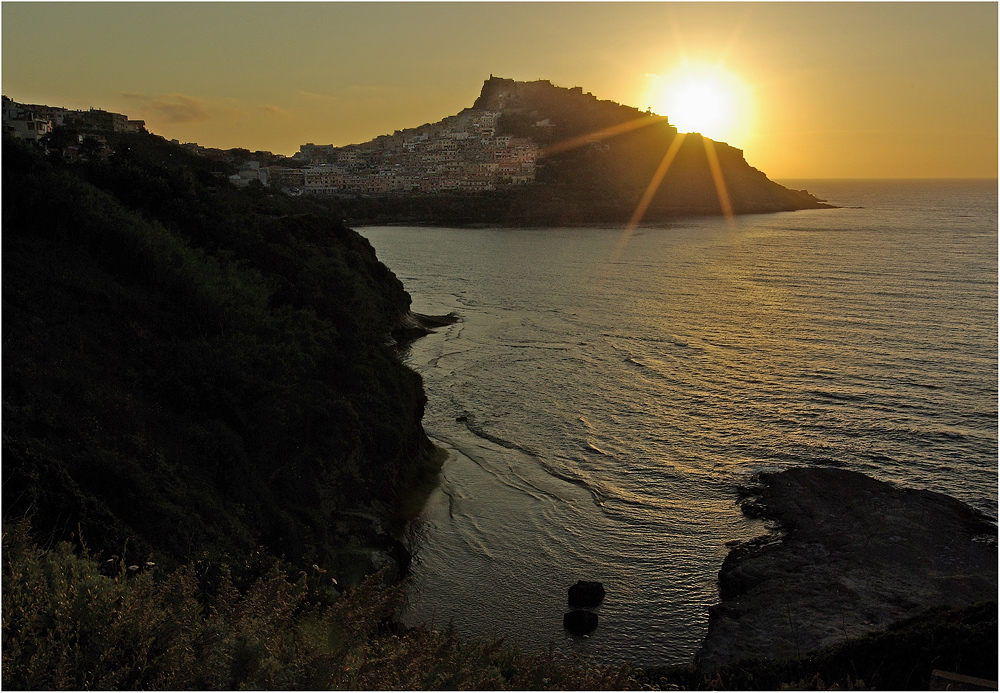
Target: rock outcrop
580, 621
855, 554
586, 593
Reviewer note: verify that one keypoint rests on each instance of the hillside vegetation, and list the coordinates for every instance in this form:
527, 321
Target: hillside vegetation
67, 626
190, 369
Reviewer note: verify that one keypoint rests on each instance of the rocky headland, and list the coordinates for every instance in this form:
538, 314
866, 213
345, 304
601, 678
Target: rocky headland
850, 555
597, 162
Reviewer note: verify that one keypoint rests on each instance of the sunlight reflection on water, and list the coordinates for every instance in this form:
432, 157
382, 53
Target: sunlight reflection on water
611, 407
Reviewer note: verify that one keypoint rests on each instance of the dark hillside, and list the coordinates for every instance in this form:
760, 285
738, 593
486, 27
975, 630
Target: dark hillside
602, 156
193, 369
570, 112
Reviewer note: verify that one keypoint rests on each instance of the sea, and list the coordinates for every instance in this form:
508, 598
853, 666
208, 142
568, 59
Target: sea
605, 392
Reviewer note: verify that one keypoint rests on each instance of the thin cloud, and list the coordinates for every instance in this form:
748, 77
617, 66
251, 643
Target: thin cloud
354, 91
172, 108
313, 95
274, 111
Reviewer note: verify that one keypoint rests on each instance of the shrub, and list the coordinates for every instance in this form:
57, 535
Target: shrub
73, 622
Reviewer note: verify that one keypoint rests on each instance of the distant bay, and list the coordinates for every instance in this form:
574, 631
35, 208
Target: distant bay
603, 394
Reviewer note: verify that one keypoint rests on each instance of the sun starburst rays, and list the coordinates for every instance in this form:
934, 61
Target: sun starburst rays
647, 196
656, 180
719, 180
598, 135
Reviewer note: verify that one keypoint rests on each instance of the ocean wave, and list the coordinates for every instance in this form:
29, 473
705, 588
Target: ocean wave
590, 447
478, 431
842, 396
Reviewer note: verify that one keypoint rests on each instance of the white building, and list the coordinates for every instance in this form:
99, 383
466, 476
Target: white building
28, 129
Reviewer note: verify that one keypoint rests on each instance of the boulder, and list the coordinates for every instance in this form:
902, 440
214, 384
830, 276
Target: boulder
580, 621
585, 593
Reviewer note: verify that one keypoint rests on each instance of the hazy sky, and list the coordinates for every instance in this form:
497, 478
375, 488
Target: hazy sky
829, 89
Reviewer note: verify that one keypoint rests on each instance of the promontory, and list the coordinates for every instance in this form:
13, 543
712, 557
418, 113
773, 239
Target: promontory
534, 154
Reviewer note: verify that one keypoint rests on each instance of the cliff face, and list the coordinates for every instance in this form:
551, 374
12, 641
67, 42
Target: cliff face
194, 370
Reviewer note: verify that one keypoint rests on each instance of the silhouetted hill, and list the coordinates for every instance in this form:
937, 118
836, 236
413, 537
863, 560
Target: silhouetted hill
191, 369
598, 159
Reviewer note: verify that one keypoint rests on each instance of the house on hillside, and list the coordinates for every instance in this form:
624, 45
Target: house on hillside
99, 120
28, 128
23, 122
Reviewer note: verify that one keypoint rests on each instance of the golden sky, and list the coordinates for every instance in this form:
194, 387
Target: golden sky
825, 90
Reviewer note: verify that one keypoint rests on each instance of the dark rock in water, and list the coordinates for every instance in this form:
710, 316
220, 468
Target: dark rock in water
586, 593
579, 621
462, 419
432, 321
752, 508
412, 326
853, 555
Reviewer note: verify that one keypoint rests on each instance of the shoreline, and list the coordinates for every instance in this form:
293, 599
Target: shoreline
662, 220
853, 555
412, 326
375, 537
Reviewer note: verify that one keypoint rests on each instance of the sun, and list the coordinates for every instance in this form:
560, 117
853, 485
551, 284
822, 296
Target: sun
705, 99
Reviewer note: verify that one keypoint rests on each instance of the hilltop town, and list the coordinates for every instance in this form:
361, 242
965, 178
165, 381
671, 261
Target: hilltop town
468, 152
462, 153
34, 121
38, 123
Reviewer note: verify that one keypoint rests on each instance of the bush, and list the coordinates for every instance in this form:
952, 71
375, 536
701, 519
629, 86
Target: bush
71, 622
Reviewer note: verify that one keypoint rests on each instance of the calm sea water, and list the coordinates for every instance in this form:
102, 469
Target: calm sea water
603, 394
